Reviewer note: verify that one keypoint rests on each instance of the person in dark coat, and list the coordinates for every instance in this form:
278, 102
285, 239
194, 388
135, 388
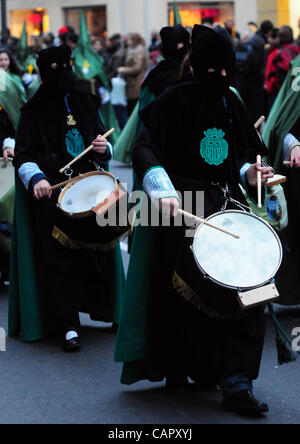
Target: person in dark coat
250, 80
56, 125
161, 334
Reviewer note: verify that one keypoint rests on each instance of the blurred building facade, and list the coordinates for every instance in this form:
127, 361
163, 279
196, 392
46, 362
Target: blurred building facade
125, 16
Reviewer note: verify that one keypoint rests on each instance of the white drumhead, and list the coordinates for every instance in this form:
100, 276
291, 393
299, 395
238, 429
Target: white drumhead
7, 176
87, 193
245, 263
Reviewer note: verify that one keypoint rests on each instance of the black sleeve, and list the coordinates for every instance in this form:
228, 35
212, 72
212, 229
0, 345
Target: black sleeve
145, 154
6, 128
26, 140
99, 129
296, 130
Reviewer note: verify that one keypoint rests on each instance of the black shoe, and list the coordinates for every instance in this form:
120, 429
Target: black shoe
71, 345
244, 402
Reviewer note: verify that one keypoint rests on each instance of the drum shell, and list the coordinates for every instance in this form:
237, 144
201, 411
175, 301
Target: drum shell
214, 300
215, 296
84, 233
80, 230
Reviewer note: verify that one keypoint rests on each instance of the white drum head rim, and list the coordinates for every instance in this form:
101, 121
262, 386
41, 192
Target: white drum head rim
224, 284
87, 193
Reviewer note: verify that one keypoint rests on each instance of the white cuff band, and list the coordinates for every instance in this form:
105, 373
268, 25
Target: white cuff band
289, 141
27, 171
9, 143
158, 185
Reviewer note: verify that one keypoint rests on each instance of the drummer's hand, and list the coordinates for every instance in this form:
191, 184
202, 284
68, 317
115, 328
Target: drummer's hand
42, 189
8, 152
266, 174
169, 206
295, 158
100, 145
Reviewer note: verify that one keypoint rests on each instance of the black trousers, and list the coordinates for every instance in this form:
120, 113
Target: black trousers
74, 279
188, 342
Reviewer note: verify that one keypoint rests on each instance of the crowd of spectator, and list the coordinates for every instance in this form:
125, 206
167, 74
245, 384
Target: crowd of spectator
263, 55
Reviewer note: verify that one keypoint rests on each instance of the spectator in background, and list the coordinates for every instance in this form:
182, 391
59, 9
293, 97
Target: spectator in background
217, 25
208, 22
230, 28
298, 40
100, 48
279, 62
134, 69
72, 40
125, 40
116, 56
48, 39
273, 40
36, 44
155, 42
252, 26
63, 34
250, 72
12, 43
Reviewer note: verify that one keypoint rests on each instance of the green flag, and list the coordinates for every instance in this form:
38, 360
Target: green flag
87, 64
284, 114
177, 18
26, 60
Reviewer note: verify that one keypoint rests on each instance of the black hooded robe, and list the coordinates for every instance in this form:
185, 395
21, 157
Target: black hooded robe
165, 335
72, 280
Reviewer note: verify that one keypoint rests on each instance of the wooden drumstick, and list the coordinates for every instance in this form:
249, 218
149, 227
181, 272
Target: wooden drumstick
287, 163
105, 136
203, 221
259, 122
259, 182
62, 184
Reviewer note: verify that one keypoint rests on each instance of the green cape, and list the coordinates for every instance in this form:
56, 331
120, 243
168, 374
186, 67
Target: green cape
12, 99
26, 314
284, 115
87, 64
125, 143
132, 341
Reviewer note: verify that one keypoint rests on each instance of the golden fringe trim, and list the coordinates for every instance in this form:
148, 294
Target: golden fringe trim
66, 242
191, 296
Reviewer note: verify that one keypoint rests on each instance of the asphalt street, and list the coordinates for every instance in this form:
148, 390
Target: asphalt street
41, 385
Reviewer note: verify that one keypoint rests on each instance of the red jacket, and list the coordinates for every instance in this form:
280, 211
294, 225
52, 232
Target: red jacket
278, 65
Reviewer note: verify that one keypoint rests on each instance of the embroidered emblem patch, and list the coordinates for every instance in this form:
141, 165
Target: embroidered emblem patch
74, 142
274, 209
214, 148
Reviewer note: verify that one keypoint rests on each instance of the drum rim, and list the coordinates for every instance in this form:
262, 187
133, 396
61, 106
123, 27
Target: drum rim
222, 284
90, 212
10, 160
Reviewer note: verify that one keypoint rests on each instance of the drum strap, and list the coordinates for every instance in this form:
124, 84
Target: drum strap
228, 199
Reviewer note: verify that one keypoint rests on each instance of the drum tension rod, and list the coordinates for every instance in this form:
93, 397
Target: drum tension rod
98, 167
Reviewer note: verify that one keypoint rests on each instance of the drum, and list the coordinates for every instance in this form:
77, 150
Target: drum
82, 203
246, 265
